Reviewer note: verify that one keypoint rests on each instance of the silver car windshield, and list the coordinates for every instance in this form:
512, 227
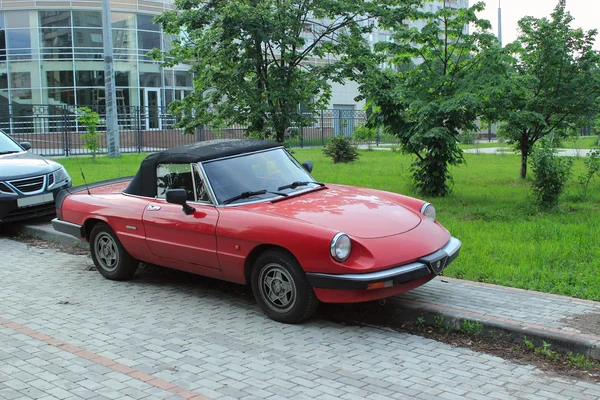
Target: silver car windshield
7, 145
256, 176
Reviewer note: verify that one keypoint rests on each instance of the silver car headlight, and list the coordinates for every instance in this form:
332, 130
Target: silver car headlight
60, 176
341, 246
429, 211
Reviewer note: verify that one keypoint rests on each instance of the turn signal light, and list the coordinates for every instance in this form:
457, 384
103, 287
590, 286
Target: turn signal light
380, 285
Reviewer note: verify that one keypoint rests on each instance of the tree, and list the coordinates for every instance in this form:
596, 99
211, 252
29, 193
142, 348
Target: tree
555, 82
255, 62
90, 119
428, 105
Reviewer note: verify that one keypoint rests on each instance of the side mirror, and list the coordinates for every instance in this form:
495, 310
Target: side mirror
179, 196
308, 165
25, 145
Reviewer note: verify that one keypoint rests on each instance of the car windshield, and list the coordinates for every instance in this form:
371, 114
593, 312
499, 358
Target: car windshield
257, 176
7, 145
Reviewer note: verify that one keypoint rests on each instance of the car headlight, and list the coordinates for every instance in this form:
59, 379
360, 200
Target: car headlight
61, 175
429, 211
340, 247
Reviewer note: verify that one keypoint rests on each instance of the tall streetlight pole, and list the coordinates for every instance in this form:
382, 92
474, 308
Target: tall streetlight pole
499, 23
112, 126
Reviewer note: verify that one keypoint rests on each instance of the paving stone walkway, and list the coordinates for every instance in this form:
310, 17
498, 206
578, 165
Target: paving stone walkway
67, 333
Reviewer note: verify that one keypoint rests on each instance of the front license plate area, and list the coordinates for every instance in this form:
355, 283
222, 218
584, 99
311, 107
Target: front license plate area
35, 200
437, 266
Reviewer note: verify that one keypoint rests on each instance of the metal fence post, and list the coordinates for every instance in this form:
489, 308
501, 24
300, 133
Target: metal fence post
139, 128
322, 130
66, 140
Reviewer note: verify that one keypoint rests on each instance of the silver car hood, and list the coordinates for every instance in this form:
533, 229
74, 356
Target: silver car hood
23, 165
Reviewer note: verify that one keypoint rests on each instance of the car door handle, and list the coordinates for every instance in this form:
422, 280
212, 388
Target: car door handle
153, 208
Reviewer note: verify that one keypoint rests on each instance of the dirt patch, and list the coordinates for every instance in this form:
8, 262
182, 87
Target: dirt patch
585, 323
31, 241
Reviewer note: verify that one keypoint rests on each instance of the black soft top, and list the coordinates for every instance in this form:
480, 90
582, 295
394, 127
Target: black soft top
144, 182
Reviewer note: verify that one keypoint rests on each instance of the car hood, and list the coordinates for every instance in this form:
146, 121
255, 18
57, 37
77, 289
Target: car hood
20, 165
345, 209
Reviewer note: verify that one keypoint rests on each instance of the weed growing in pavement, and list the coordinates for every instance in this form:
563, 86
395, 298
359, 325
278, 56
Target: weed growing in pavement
421, 322
579, 361
471, 328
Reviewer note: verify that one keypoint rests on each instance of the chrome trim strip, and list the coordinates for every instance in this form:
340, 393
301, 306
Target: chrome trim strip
450, 249
423, 207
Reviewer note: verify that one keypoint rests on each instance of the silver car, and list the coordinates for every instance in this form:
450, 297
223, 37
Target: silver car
28, 182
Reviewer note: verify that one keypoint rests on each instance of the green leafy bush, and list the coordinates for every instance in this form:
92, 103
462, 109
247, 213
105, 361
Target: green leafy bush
551, 173
592, 165
364, 134
340, 149
91, 138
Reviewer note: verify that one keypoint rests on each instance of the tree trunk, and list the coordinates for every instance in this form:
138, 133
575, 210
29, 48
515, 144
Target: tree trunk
524, 154
280, 135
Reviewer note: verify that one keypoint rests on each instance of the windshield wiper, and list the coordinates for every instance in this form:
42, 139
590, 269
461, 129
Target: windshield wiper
294, 185
8, 152
245, 195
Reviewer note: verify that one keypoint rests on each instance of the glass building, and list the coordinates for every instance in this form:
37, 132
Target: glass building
51, 58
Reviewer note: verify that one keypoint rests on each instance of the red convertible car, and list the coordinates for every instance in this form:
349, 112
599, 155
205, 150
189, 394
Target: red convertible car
246, 211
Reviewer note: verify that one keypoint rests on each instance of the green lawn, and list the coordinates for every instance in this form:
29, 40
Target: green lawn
507, 241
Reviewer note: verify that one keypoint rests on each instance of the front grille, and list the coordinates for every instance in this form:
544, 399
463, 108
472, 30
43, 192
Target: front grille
50, 179
20, 214
4, 188
29, 185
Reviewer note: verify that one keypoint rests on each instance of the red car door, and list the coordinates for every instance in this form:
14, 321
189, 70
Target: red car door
173, 235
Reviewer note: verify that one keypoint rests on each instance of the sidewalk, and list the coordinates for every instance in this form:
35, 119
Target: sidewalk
567, 324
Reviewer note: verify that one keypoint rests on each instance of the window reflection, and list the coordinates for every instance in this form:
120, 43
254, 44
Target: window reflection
89, 78
17, 19
122, 20
144, 22
87, 37
55, 18
183, 78
20, 80
19, 43
57, 42
149, 79
148, 40
87, 19
59, 78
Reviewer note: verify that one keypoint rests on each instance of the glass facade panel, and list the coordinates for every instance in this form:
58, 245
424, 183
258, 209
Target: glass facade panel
144, 23
54, 58
183, 78
55, 19
87, 37
148, 40
17, 19
91, 97
2, 45
61, 97
168, 77
21, 94
56, 43
20, 80
89, 78
150, 79
122, 20
87, 19
19, 43
59, 78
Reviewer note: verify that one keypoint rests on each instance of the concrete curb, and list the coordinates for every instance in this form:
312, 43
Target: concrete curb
44, 231
562, 341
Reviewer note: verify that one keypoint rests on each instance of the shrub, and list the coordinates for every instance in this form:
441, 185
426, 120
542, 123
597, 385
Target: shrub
466, 138
340, 149
364, 134
551, 173
91, 138
592, 165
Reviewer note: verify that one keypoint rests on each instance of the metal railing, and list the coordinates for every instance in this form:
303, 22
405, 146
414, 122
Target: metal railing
54, 131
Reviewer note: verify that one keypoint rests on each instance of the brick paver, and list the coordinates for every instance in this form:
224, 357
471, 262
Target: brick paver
67, 333
514, 304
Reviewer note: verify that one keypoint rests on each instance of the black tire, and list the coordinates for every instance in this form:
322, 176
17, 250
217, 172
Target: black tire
109, 256
281, 289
